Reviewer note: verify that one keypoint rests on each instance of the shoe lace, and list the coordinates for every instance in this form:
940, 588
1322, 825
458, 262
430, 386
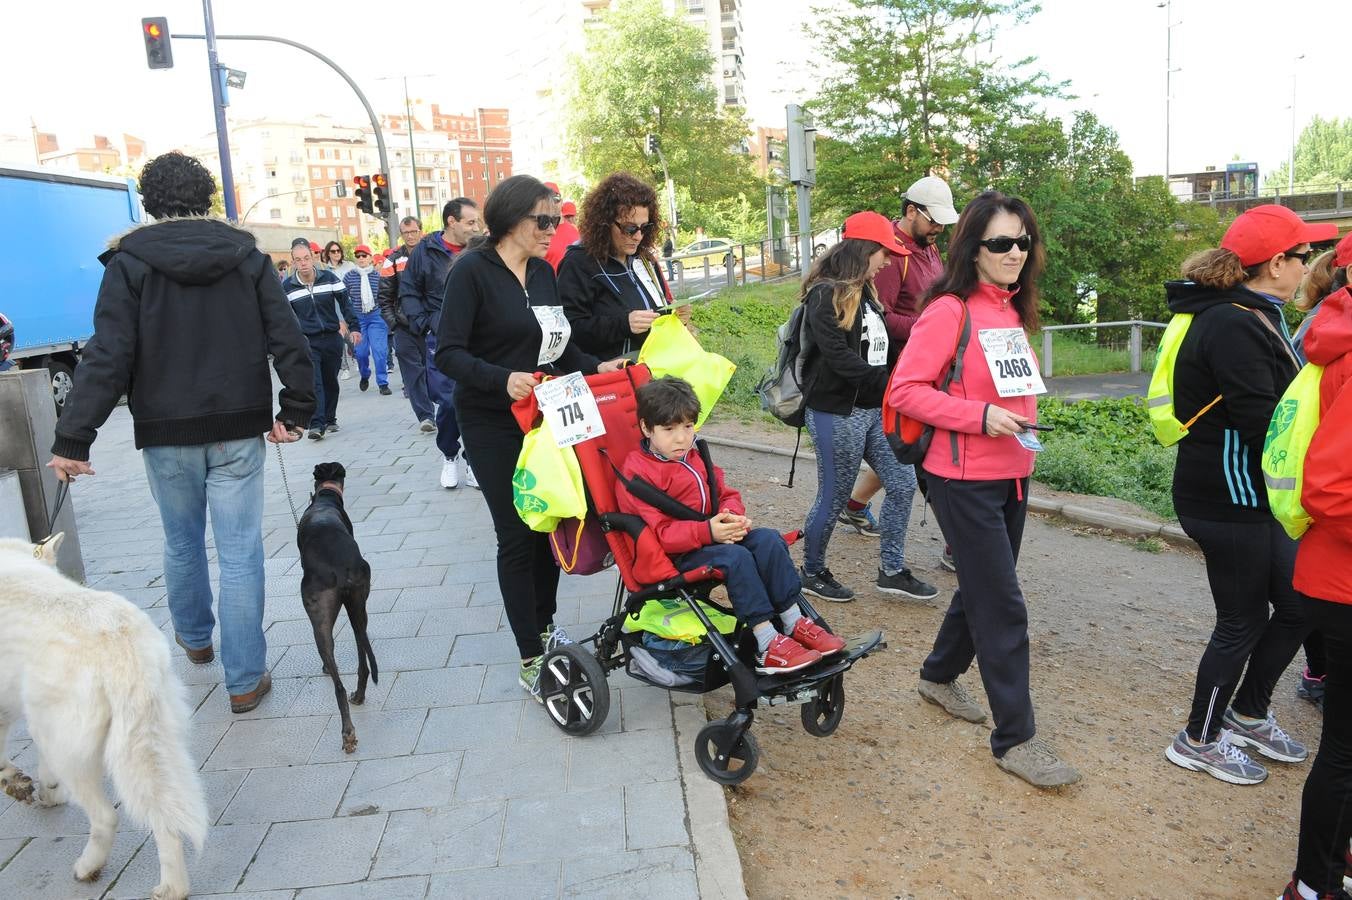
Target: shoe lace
960, 691
558, 637
1228, 751
826, 577
1275, 730
1042, 752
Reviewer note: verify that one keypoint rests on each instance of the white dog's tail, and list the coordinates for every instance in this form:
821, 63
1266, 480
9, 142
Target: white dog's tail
146, 752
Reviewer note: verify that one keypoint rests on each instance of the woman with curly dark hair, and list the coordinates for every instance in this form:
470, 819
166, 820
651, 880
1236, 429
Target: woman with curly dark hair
609, 282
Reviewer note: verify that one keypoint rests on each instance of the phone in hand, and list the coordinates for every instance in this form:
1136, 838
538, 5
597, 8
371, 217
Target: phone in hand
1032, 426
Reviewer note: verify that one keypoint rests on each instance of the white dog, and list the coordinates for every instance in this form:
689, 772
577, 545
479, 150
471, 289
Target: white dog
89, 672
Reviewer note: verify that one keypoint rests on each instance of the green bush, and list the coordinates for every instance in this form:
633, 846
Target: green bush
740, 323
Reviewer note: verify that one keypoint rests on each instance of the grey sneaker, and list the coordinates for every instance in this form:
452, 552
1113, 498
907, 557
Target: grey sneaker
1221, 760
946, 561
529, 679
953, 697
860, 520
427, 426
825, 586
1037, 763
1267, 738
554, 636
907, 585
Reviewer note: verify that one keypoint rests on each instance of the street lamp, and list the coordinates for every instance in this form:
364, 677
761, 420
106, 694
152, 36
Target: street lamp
1169, 70
412, 153
1291, 164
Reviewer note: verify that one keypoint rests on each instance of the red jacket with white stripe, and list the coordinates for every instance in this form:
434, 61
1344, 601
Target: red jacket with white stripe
685, 481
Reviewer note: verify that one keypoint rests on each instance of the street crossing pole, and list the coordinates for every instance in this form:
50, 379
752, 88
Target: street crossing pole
219, 103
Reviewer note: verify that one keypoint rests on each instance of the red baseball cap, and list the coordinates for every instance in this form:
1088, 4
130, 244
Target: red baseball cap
314, 248
569, 208
1342, 254
552, 186
1264, 231
872, 226
361, 248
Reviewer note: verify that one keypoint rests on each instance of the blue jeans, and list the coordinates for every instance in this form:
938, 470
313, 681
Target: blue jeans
441, 390
226, 478
375, 341
761, 578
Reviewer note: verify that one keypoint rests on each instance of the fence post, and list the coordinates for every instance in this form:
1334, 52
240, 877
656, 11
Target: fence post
1134, 348
1338, 201
1046, 354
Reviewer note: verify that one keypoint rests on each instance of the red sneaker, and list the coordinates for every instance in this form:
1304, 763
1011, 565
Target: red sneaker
785, 655
814, 637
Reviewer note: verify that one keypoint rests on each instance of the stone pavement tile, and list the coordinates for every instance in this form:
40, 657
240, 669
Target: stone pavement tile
288, 794
318, 699
285, 632
663, 874
383, 514
484, 649
450, 596
411, 888
631, 758
267, 742
595, 607
216, 707
539, 881
643, 707
381, 543
134, 578
426, 540
248, 895
302, 660
220, 788
403, 782
22, 820
215, 870
467, 572
211, 673
598, 585
536, 725
500, 683
512, 770
486, 593
42, 869
466, 727
371, 498
318, 852
10, 847
649, 819
391, 560
564, 826
203, 738
393, 624
143, 597
382, 600
392, 733
399, 654
456, 554
408, 524
436, 687
425, 841
420, 576
474, 620
196, 693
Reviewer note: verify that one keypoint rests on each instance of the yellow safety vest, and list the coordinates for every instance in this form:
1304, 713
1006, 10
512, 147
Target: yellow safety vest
674, 620
1159, 398
1294, 421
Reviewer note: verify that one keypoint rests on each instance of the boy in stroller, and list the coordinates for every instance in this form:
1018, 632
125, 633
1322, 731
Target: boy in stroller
700, 521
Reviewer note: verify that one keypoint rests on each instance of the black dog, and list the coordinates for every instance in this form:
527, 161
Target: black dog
335, 575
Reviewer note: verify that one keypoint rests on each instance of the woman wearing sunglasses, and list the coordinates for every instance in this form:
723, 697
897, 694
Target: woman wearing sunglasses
610, 283
502, 323
1231, 368
978, 466
335, 260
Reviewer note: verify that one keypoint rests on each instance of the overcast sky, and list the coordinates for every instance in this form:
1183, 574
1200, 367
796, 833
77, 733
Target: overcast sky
1232, 95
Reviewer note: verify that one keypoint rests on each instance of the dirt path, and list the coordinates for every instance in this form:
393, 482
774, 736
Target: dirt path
904, 801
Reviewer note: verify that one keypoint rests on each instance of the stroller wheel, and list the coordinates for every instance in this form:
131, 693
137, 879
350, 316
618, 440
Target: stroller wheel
821, 714
573, 689
724, 764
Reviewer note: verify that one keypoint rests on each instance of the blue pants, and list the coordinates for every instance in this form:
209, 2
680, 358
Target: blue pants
441, 390
375, 342
226, 478
326, 355
412, 356
761, 578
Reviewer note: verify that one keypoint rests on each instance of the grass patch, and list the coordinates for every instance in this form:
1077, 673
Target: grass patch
1077, 353
740, 323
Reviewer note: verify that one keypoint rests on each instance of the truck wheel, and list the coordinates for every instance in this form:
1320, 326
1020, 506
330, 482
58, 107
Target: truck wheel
63, 379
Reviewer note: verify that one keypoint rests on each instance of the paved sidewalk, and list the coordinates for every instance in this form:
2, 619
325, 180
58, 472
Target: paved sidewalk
459, 786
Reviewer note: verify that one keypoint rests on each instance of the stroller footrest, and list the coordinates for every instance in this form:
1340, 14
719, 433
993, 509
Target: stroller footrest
856, 648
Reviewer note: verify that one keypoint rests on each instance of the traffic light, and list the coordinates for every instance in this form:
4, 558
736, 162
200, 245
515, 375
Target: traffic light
652, 145
381, 191
363, 183
155, 30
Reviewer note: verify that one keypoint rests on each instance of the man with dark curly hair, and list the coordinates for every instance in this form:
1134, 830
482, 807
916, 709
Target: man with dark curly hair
188, 312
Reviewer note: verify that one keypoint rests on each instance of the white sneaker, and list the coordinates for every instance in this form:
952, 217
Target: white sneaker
345, 375
470, 480
450, 474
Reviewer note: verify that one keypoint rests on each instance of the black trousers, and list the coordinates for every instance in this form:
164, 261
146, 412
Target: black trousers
1325, 812
1315, 654
326, 355
527, 575
987, 619
1249, 566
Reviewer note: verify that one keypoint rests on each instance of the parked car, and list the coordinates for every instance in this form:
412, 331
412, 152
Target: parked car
718, 252
823, 239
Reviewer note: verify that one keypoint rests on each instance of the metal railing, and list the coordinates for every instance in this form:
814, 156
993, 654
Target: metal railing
750, 262
1133, 340
1325, 199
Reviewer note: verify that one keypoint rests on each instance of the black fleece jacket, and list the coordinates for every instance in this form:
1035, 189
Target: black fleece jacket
187, 314
488, 331
1236, 347
598, 298
838, 376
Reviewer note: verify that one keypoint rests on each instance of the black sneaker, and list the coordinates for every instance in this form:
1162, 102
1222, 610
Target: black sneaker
825, 586
333, 426
1311, 689
364, 384
316, 434
907, 585
385, 390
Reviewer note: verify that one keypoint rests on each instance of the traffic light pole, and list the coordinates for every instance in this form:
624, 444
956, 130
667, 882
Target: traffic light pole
218, 102
392, 217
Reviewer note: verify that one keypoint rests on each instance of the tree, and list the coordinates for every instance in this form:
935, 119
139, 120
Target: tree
646, 71
1323, 157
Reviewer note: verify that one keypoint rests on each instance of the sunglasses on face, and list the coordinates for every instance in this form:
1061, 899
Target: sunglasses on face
1004, 244
544, 221
363, 256
630, 229
1303, 257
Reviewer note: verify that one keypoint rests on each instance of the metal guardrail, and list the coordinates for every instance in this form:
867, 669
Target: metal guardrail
769, 260
1326, 199
1133, 340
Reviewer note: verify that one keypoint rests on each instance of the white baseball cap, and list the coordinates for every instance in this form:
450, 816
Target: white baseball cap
932, 193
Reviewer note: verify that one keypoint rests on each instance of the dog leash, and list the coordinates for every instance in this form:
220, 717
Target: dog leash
62, 491
286, 485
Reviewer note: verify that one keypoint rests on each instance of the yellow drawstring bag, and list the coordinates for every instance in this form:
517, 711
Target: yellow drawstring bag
672, 350
547, 484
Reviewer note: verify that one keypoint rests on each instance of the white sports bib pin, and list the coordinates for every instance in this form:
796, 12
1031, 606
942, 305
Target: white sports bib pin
874, 338
1010, 359
570, 409
555, 330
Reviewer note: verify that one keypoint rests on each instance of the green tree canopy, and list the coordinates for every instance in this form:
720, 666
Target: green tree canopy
1323, 157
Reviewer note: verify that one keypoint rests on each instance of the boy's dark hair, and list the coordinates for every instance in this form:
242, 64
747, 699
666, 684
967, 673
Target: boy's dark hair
667, 401
176, 185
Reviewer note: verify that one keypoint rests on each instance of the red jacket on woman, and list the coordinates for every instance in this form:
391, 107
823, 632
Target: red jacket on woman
1324, 559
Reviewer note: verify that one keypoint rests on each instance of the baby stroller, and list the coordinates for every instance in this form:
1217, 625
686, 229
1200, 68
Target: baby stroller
573, 686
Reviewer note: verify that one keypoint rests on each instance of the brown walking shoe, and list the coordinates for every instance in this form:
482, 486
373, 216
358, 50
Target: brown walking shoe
201, 656
1037, 763
242, 703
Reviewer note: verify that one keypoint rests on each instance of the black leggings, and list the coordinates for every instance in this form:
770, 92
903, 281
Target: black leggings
527, 575
1325, 816
1249, 566
1315, 654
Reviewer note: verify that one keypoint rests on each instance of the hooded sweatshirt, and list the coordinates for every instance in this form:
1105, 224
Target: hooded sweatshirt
598, 297
186, 317
1324, 558
1236, 347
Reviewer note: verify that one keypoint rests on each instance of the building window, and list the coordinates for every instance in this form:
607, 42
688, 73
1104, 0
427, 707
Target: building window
334, 211
319, 212
498, 159
302, 219
272, 173
272, 192
406, 195
316, 174
469, 175
274, 214
333, 173
352, 230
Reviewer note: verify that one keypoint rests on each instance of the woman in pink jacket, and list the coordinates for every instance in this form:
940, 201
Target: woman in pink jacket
978, 467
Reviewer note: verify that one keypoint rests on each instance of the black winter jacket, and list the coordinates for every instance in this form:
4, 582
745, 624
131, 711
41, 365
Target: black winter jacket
1237, 347
187, 314
423, 284
838, 376
322, 305
391, 271
488, 330
598, 297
